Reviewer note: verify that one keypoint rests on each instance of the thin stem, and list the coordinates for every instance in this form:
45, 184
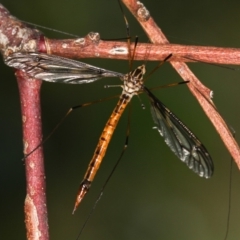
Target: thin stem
35, 200
118, 50
15, 36
201, 92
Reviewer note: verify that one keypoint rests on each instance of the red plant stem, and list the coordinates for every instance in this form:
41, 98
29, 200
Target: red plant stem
158, 52
202, 93
15, 36
35, 201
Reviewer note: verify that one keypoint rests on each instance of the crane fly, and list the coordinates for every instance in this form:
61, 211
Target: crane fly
184, 144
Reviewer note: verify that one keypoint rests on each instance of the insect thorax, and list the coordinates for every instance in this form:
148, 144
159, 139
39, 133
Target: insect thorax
133, 81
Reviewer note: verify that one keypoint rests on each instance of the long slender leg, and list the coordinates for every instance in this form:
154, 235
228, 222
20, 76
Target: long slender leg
63, 119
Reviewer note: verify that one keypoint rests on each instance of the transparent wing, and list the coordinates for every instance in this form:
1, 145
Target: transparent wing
52, 68
180, 139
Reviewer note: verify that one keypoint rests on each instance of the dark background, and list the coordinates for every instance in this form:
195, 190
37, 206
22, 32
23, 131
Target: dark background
152, 195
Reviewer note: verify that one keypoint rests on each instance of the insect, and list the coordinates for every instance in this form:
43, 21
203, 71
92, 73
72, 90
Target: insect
184, 144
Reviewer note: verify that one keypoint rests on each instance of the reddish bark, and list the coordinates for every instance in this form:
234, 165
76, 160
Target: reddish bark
201, 92
35, 201
15, 36
85, 48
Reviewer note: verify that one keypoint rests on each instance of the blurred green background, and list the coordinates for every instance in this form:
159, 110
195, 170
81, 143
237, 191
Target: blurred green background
152, 195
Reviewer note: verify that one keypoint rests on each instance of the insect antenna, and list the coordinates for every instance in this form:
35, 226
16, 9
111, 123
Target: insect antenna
130, 55
127, 29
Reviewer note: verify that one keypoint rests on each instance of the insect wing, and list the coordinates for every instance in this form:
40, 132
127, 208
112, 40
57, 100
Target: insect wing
180, 139
53, 68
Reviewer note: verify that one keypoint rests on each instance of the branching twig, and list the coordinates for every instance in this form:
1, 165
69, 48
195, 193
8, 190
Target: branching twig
16, 36
202, 93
